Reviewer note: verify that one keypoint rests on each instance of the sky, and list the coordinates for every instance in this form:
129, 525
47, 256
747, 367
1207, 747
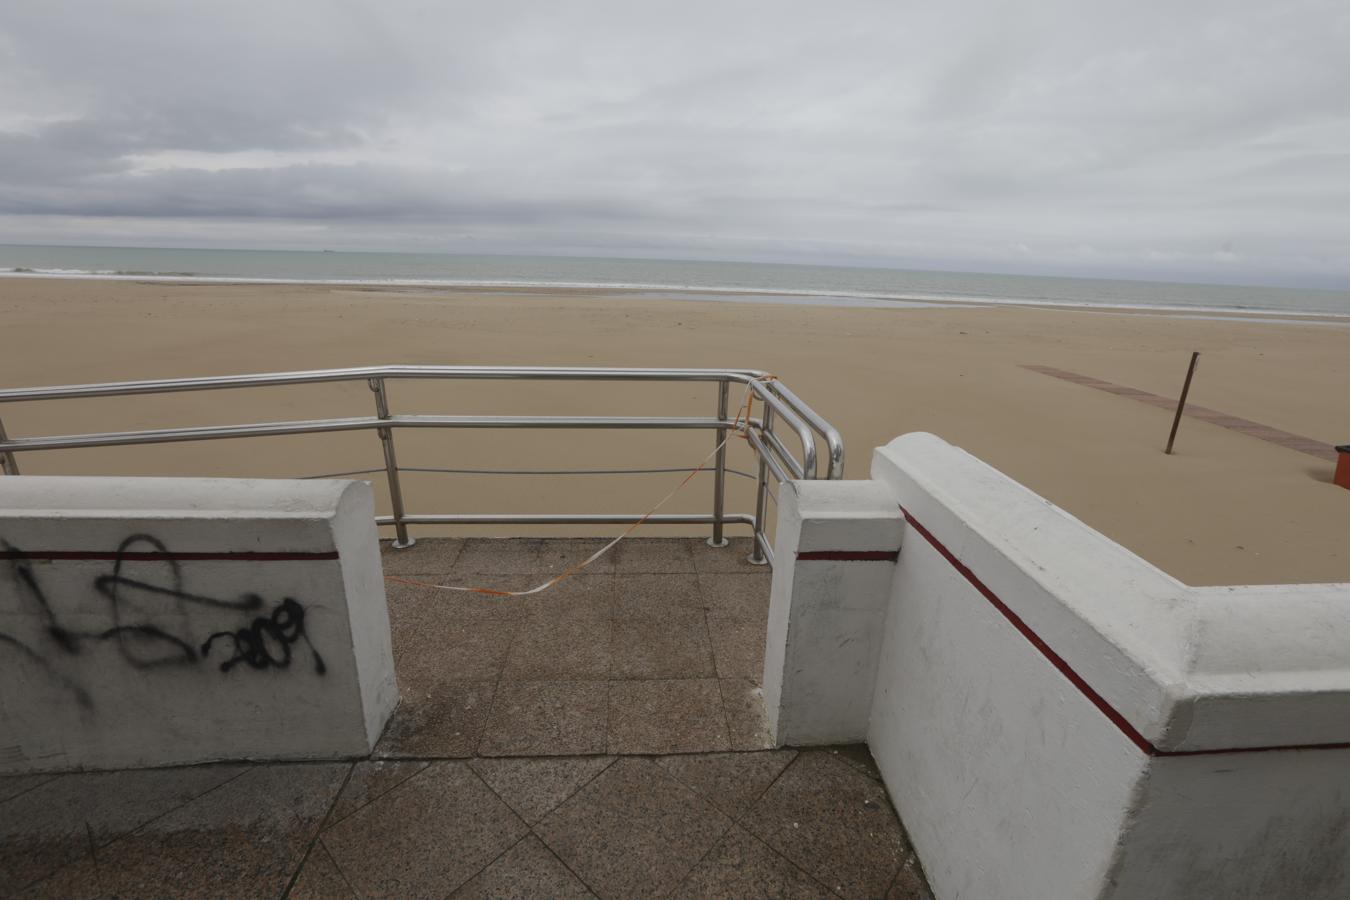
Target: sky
1192, 140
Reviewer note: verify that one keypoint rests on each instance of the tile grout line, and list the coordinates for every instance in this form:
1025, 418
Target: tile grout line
791, 862
707, 630
318, 833
248, 768
530, 832
341, 874
731, 823
54, 777
551, 852
496, 685
609, 664
426, 764
797, 754
513, 845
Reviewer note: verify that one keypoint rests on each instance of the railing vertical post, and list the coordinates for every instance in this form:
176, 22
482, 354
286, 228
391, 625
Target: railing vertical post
401, 539
7, 464
756, 556
720, 468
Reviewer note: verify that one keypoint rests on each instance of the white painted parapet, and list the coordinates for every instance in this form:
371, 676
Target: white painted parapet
159, 621
1054, 716
828, 606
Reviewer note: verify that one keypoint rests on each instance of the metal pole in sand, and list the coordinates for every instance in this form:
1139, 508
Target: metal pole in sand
1181, 404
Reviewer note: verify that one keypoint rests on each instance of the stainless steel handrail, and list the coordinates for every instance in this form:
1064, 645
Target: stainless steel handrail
776, 459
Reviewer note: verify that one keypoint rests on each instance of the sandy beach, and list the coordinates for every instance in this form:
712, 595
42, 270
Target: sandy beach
1227, 508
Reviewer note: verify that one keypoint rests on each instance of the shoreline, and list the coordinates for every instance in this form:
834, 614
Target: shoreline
687, 293
1226, 508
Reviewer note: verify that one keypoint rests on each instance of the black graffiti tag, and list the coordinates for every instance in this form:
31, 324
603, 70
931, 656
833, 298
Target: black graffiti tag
267, 641
147, 618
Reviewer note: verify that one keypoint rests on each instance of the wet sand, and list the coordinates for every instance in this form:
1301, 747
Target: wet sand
1227, 508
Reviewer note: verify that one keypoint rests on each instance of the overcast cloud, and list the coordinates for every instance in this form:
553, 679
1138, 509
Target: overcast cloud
1184, 139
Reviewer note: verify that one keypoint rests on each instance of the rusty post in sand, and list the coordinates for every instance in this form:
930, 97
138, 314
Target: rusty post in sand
1181, 404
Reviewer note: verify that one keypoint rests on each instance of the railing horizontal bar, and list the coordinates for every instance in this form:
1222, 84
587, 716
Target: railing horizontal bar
768, 458
834, 441
556, 422
780, 406
265, 379
315, 426
436, 470
564, 519
784, 456
773, 393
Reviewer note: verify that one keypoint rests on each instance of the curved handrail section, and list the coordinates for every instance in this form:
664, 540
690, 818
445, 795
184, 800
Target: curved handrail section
780, 405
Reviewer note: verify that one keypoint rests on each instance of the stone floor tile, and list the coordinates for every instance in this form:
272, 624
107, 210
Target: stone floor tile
424, 838
369, 780
730, 781
671, 716
738, 646
654, 556
429, 556
731, 558
82, 880
632, 832
439, 720
909, 883
500, 556
857, 756
547, 718
747, 722
834, 822
657, 592
670, 642
59, 822
741, 867
439, 635
571, 647
565, 633
527, 870
320, 879
535, 787
734, 595
244, 839
560, 554
738, 620
14, 785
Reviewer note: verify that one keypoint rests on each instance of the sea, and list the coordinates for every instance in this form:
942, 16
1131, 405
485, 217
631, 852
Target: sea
725, 281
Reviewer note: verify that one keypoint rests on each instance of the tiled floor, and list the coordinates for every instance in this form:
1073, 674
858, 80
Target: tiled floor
604, 738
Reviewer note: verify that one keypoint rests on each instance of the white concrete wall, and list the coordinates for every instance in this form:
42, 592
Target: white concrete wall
1055, 717
155, 621
827, 607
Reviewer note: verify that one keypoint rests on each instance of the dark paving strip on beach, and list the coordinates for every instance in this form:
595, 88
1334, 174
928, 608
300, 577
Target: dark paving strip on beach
1234, 423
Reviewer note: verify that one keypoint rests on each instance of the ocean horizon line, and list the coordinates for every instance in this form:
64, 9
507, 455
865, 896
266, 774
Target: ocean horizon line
711, 293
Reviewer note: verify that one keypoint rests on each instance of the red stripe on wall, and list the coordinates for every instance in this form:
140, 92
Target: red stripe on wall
1077, 680
242, 556
851, 555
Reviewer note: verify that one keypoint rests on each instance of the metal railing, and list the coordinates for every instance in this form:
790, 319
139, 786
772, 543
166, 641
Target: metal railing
782, 410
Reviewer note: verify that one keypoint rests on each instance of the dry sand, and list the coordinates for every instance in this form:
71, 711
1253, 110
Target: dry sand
1225, 509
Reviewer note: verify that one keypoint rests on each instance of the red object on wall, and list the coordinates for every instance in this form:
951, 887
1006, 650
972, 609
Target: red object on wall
1343, 466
